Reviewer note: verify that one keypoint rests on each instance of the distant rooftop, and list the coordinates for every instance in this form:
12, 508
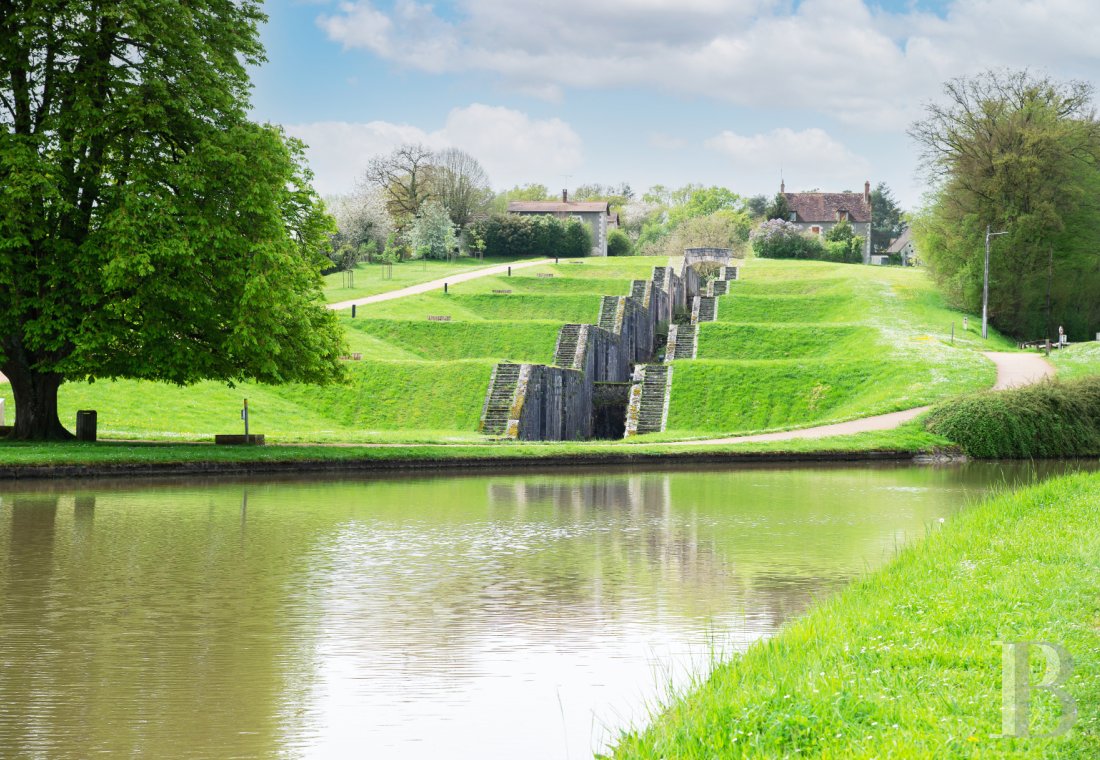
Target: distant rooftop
823, 207
559, 207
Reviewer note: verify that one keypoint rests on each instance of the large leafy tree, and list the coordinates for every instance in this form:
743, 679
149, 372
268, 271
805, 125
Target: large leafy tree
147, 228
886, 218
1017, 152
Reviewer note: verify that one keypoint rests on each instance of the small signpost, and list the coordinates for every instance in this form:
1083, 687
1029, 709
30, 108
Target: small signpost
439, 317
502, 292
545, 274
237, 440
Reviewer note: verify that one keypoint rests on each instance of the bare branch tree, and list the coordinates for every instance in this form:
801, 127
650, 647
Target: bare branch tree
461, 185
404, 177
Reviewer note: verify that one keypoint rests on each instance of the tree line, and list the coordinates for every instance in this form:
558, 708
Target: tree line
1015, 153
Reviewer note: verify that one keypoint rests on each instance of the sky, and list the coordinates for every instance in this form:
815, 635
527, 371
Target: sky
720, 92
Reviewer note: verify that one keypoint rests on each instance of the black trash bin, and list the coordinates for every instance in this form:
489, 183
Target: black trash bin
86, 425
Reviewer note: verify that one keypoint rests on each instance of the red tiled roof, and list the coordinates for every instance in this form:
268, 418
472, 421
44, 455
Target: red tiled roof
822, 207
557, 207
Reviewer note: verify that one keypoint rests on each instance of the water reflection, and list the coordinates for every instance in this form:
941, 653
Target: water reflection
529, 615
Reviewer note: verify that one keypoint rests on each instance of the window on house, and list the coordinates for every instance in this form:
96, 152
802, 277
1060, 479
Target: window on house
794, 217
815, 230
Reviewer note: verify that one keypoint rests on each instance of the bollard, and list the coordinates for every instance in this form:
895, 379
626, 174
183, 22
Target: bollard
444, 288
555, 259
86, 425
353, 311
509, 271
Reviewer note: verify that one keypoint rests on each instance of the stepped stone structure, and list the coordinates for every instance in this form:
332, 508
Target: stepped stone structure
551, 403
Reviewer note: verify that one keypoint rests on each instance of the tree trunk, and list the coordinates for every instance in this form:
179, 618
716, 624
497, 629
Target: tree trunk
35, 403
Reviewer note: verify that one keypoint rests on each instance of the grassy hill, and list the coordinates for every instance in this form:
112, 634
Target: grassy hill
804, 342
796, 343
416, 380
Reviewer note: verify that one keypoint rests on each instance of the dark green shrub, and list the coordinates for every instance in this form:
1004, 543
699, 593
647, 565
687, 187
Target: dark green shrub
1051, 419
532, 235
618, 244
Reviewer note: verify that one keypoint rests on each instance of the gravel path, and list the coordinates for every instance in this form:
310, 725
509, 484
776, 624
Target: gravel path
1013, 370
425, 287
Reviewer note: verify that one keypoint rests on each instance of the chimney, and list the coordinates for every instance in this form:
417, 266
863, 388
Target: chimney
565, 196
867, 191
782, 186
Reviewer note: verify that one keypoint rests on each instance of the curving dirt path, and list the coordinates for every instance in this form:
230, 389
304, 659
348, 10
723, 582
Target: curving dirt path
1013, 371
425, 287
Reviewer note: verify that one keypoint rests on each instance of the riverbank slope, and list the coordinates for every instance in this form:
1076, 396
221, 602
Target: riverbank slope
906, 662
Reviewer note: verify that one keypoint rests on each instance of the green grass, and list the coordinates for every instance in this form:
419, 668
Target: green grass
370, 278
1050, 419
801, 343
904, 663
382, 400
1078, 360
804, 343
906, 440
531, 342
487, 306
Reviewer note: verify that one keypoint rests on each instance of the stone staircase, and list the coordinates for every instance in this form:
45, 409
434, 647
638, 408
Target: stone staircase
718, 288
730, 273
609, 313
638, 289
648, 410
704, 309
660, 275
683, 342
502, 396
565, 353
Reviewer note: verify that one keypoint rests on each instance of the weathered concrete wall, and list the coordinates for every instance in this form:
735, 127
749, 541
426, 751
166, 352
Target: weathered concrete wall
557, 403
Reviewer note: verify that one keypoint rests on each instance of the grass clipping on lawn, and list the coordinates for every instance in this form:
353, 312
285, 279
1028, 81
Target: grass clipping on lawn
907, 662
1051, 419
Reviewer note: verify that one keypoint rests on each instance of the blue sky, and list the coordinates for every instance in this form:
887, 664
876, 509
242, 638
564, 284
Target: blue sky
728, 92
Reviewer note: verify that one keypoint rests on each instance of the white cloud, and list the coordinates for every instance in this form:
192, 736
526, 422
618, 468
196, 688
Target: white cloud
834, 56
810, 158
513, 147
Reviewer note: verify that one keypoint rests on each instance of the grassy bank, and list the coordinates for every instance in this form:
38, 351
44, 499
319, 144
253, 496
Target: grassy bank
904, 663
910, 439
1051, 419
803, 342
1078, 360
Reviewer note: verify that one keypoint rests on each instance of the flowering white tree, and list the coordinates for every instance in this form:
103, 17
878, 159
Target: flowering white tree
432, 234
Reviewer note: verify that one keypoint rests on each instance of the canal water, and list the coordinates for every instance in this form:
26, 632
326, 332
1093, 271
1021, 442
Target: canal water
529, 615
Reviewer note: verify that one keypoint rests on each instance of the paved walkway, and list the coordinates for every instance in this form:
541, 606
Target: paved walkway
1013, 370
425, 287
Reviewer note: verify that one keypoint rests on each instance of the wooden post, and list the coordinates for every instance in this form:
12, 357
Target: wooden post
444, 288
244, 416
509, 271
353, 311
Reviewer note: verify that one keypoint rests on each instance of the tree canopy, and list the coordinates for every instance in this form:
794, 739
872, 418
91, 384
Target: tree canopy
1018, 153
148, 229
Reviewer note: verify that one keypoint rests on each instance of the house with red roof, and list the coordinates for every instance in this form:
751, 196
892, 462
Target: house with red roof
815, 213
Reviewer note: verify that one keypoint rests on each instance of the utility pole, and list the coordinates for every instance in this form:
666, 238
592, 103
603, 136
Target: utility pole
985, 282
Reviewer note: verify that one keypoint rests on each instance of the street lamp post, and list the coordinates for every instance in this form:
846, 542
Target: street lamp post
985, 282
